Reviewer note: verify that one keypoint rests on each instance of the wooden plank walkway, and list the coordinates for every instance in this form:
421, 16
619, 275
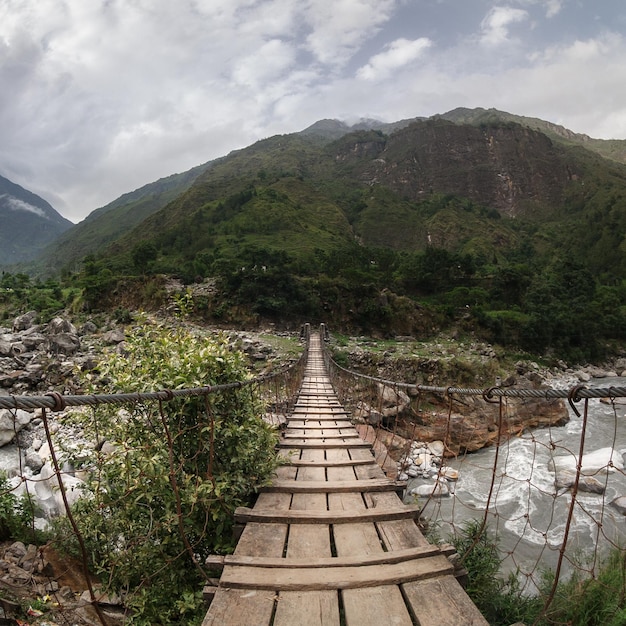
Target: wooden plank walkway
330, 542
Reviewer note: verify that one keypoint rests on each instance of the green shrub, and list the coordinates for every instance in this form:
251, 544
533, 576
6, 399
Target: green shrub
164, 498
501, 601
591, 601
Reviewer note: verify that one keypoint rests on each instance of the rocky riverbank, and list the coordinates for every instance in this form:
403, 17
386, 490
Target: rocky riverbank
466, 423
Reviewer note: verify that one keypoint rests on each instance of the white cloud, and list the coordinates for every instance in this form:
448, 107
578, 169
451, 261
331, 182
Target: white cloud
265, 65
553, 7
15, 204
495, 26
397, 54
340, 27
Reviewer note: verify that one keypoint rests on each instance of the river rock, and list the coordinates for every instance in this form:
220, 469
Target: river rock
23, 322
449, 473
604, 459
11, 422
437, 448
63, 343
60, 325
620, 504
566, 479
5, 346
433, 490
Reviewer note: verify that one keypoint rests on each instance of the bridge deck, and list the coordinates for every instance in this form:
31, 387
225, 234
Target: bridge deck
330, 542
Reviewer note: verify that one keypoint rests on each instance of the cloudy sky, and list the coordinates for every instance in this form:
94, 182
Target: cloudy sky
99, 97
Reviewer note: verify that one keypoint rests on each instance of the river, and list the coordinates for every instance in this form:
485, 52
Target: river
526, 511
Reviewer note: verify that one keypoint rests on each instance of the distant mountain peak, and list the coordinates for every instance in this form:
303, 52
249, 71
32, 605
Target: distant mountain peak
29, 223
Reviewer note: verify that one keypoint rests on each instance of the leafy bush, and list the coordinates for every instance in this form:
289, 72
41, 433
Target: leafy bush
164, 497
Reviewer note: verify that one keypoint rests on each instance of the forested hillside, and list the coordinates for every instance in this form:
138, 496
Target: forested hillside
490, 227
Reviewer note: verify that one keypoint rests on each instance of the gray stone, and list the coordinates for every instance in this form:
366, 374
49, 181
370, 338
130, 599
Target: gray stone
63, 343
33, 460
60, 325
88, 328
619, 503
23, 322
437, 448
11, 422
566, 479
113, 336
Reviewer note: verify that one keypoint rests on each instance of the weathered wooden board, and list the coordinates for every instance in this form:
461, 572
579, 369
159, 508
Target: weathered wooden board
314, 579
245, 514
377, 605
331, 561
304, 443
319, 608
442, 602
290, 486
328, 463
241, 607
319, 433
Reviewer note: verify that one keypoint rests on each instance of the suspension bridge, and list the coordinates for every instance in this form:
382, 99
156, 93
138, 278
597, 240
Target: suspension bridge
330, 542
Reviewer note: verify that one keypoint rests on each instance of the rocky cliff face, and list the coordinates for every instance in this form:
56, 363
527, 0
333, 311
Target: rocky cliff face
507, 167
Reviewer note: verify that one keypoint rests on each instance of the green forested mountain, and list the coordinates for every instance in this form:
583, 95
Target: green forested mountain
514, 230
108, 223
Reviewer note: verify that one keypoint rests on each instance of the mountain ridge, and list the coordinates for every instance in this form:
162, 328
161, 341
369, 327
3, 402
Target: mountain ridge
28, 221
109, 225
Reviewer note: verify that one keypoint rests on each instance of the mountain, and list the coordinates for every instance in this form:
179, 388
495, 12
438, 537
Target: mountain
613, 149
378, 184
29, 223
108, 223
404, 191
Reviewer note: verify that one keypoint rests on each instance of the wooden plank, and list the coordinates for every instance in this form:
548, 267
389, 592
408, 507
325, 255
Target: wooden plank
328, 561
301, 443
377, 605
314, 579
327, 463
235, 607
291, 486
232, 607
442, 602
244, 515
305, 542
319, 608
333, 424
311, 433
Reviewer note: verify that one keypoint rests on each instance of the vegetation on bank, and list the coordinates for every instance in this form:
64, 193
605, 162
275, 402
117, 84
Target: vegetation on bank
581, 600
162, 489
561, 310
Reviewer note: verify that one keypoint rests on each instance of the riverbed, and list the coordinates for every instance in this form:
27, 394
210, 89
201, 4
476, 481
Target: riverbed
526, 512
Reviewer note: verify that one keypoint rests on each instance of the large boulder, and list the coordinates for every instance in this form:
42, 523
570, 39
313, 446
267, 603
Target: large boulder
63, 343
566, 479
60, 325
24, 322
11, 422
604, 459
